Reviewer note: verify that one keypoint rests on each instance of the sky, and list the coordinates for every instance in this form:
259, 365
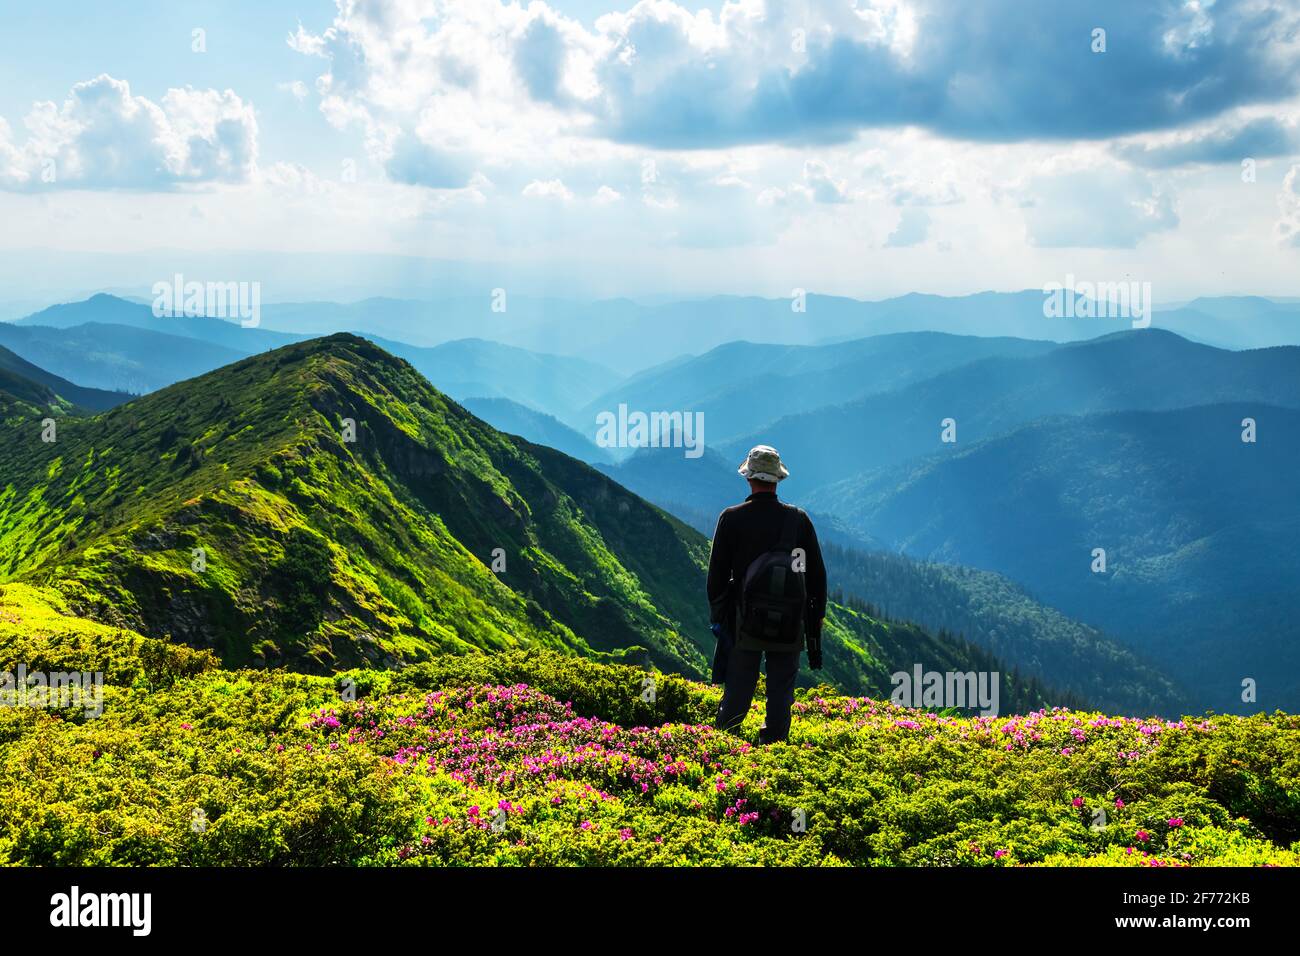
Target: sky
590, 148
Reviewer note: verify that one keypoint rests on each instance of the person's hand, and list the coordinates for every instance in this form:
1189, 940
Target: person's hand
815, 652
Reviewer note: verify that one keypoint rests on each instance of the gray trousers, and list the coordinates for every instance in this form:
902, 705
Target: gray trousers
742, 680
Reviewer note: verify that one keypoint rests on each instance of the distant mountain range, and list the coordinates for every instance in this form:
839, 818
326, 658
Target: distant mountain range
630, 337
118, 344
1199, 531
1147, 369
742, 386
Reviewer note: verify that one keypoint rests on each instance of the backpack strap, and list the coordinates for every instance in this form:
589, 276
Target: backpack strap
790, 530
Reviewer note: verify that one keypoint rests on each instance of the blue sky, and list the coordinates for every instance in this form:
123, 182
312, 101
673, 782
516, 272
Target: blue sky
865, 148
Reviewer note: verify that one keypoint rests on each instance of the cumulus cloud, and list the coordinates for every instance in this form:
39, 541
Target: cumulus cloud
440, 91
912, 174
912, 229
551, 189
102, 136
503, 77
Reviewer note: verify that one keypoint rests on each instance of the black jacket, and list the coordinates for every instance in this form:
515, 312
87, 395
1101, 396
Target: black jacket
746, 531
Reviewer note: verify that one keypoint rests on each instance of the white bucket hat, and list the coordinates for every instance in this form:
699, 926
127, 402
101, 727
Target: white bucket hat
763, 463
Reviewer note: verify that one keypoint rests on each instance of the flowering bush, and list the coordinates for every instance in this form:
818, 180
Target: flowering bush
535, 758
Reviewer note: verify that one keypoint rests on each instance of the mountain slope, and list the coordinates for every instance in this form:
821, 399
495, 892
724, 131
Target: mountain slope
25, 403
320, 553
115, 357
537, 427
1199, 529
998, 615
1148, 369
92, 399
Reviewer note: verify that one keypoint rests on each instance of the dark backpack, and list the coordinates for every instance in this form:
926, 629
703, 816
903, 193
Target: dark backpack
773, 596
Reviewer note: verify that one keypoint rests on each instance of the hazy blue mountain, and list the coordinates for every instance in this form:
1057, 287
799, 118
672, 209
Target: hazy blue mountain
1235, 322
112, 310
117, 343
631, 336
115, 357
536, 427
476, 368
599, 331
1200, 531
416, 321
1000, 616
1241, 307
742, 386
91, 399
1147, 369
694, 489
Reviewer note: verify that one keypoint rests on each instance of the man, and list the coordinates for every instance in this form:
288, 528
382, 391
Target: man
767, 595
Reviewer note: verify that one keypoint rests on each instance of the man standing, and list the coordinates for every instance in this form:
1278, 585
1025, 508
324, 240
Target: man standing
767, 595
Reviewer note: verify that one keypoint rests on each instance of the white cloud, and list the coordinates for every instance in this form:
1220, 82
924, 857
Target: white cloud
912, 229
1287, 228
102, 136
551, 189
